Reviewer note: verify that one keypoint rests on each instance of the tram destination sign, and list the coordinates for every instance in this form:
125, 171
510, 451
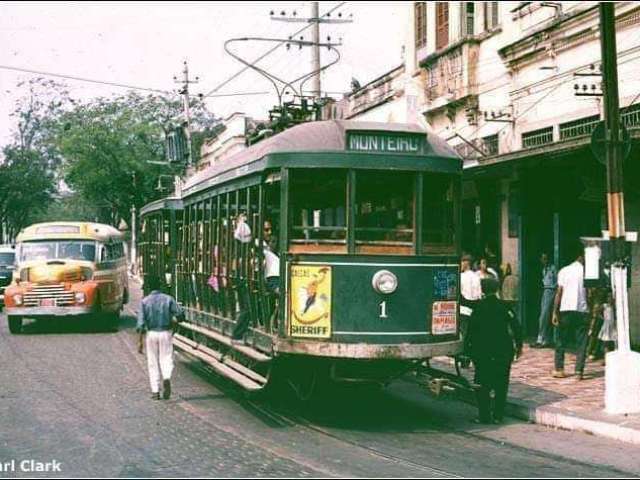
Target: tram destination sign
386, 142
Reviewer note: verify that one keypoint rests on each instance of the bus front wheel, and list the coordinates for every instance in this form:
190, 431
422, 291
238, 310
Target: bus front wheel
15, 324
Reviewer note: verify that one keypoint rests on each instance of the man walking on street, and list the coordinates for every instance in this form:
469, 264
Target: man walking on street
570, 313
549, 285
155, 320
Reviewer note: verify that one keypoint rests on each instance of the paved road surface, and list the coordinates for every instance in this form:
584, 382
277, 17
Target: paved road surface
80, 397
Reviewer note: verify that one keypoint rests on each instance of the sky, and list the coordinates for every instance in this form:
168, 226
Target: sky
145, 44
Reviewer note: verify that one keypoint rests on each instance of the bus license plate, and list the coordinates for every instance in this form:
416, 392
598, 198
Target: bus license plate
47, 302
443, 318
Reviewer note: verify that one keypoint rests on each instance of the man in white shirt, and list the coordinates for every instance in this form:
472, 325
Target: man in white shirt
470, 294
570, 313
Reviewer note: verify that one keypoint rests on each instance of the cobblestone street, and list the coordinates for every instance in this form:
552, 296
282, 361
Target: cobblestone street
81, 398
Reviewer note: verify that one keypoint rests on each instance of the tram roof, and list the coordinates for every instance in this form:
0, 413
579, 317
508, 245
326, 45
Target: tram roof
168, 203
321, 136
69, 231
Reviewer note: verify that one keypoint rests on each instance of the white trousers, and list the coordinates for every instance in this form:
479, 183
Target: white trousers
159, 358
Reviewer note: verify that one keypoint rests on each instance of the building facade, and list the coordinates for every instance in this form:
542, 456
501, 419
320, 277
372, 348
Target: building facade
515, 87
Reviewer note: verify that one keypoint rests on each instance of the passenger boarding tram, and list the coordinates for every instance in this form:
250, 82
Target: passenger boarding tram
336, 243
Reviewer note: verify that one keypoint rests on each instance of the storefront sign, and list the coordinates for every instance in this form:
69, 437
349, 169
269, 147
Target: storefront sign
387, 143
310, 301
444, 318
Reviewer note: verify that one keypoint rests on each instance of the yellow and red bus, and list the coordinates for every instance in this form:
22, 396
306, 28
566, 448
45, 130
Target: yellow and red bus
68, 269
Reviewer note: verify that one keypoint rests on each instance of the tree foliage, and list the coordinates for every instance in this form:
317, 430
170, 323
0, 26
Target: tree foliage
108, 146
108, 151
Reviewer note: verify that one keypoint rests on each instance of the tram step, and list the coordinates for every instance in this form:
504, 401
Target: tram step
222, 368
247, 372
245, 350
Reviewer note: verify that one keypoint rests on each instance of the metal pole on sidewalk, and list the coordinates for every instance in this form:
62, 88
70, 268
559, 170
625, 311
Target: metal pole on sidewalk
622, 376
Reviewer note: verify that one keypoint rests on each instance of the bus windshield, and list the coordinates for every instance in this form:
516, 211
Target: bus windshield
58, 249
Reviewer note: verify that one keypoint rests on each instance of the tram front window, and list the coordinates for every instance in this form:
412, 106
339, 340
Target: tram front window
384, 212
318, 201
438, 214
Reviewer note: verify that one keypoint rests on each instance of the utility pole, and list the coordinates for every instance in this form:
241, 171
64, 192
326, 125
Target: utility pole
315, 20
184, 91
316, 90
622, 376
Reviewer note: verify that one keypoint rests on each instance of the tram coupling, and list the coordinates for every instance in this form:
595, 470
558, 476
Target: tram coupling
441, 383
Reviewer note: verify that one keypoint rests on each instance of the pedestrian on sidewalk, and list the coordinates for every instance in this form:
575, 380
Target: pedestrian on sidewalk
470, 294
509, 289
570, 315
549, 286
156, 323
493, 331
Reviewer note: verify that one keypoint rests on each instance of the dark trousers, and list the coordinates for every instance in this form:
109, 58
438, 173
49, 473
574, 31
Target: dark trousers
571, 322
492, 374
243, 320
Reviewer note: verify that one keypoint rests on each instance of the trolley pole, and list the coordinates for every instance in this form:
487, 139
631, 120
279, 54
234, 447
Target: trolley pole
622, 375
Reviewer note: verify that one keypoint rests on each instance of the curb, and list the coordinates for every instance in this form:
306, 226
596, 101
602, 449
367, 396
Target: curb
558, 418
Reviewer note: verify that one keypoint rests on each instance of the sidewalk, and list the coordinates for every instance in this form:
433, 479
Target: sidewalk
561, 403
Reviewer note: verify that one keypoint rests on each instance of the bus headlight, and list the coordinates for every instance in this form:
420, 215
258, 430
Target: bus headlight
17, 299
80, 297
384, 282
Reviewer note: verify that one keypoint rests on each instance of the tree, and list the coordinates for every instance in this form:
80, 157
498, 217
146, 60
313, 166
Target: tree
28, 163
26, 187
108, 144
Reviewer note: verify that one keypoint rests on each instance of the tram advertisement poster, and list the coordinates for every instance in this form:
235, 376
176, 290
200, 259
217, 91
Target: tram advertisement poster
310, 301
443, 318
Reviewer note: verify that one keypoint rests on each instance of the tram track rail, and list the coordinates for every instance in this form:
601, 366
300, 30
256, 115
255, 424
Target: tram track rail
274, 416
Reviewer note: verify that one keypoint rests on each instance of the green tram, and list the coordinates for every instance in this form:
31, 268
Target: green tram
335, 243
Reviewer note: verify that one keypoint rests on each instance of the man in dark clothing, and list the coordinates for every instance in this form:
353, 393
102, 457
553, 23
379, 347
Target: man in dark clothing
493, 329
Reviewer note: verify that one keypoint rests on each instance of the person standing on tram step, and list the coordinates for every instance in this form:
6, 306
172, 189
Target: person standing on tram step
493, 330
570, 314
549, 286
156, 323
470, 294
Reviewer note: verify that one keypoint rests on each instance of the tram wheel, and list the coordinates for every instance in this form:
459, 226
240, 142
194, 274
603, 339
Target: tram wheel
15, 324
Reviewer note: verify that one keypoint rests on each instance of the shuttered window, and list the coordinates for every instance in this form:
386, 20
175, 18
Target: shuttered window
442, 24
420, 9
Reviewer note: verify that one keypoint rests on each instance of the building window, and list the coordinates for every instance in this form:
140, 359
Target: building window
490, 144
420, 10
467, 19
491, 15
442, 24
537, 138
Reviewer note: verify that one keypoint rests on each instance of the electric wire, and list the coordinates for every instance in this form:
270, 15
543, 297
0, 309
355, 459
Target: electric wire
266, 54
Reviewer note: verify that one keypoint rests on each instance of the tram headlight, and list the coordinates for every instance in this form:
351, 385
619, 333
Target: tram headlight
384, 282
80, 297
17, 299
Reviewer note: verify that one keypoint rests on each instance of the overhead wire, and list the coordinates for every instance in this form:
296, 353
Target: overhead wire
112, 84
266, 54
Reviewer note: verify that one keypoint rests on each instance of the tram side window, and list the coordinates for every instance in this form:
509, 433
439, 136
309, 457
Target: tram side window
318, 200
384, 212
439, 214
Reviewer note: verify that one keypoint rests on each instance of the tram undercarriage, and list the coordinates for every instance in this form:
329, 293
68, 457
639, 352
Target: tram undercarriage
306, 375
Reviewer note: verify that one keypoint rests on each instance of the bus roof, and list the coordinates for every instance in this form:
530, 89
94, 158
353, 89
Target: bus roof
69, 231
322, 136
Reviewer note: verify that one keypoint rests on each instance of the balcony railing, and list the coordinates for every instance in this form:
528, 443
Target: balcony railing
537, 138
631, 116
578, 128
